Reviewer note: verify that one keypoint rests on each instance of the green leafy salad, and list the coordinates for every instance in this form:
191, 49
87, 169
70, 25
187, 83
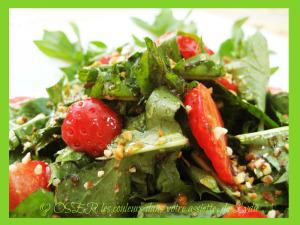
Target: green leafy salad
161, 127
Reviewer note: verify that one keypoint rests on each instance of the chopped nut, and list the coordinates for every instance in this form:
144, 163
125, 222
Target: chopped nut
119, 152
268, 196
277, 152
266, 168
116, 188
107, 153
240, 178
242, 168
278, 192
38, 170
21, 120
88, 185
271, 214
250, 157
268, 179
12, 167
121, 141
127, 135
182, 200
250, 180
56, 181
253, 196
258, 163
100, 173
248, 185
229, 151
26, 158
219, 132
188, 108
132, 169
236, 193
286, 146
161, 133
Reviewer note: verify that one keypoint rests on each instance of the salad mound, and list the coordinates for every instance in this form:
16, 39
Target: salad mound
163, 127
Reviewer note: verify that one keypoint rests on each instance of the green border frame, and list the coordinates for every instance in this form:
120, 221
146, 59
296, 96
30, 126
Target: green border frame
294, 73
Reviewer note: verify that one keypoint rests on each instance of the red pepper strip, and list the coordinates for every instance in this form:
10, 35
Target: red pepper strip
227, 83
239, 211
204, 118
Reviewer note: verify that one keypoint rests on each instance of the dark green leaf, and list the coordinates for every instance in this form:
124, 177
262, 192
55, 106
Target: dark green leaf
38, 205
55, 92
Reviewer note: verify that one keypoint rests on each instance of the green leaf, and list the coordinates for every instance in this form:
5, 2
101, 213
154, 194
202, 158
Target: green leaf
39, 204
278, 107
55, 92
199, 67
138, 42
252, 72
56, 44
164, 22
241, 116
202, 209
160, 110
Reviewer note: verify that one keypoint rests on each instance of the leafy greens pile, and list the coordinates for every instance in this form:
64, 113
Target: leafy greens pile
146, 87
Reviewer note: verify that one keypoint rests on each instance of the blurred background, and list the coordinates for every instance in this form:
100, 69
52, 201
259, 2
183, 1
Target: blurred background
31, 71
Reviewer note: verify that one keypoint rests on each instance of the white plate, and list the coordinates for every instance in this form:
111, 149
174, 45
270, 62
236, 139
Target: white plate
31, 71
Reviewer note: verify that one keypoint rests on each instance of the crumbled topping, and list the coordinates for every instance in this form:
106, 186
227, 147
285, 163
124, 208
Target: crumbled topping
88, 185
107, 153
240, 178
100, 173
219, 132
21, 120
258, 163
268, 179
12, 167
119, 152
117, 188
271, 214
248, 185
38, 170
266, 168
236, 193
229, 151
56, 181
26, 158
132, 169
161, 133
188, 108
127, 135
253, 196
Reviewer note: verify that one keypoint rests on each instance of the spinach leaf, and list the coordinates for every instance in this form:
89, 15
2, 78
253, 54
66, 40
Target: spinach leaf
252, 71
241, 116
56, 44
160, 110
39, 204
164, 22
278, 107
199, 67
55, 92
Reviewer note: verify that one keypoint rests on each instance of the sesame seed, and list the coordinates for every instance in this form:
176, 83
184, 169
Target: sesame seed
107, 153
26, 158
132, 169
38, 170
219, 132
100, 173
271, 214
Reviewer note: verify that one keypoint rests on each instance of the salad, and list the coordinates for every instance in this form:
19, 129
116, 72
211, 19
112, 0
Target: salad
162, 127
